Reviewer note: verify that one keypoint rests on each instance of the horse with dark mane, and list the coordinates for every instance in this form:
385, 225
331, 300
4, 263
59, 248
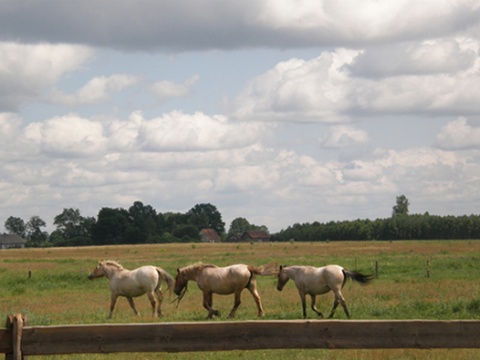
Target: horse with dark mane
224, 281
314, 281
134, 283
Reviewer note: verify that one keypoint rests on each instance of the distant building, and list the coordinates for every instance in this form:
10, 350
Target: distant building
237, 237
255, 235
209, 235
11, 241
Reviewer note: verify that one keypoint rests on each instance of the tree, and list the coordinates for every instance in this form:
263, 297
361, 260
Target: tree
15, 225
401, 208
112, 227
238, 226
206, 216
72, 229
145, 223
35, 236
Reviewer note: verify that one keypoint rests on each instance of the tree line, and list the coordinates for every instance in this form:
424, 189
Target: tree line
400, 226
141, 224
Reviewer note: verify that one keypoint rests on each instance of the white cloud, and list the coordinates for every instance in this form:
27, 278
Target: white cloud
344, 136
427, 57
26, 71
324, 89
299, 90
458, 135
166, 90
97, 90
68, 136
177, 131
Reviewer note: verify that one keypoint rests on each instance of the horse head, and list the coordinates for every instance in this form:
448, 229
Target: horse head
99, 271
180, 284
282, 278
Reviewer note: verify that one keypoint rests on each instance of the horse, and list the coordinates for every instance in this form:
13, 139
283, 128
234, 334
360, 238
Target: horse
134, 283
223, 281
314, 281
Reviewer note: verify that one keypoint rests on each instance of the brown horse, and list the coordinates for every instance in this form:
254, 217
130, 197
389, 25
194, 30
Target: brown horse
318, 281
130, 284
224, 281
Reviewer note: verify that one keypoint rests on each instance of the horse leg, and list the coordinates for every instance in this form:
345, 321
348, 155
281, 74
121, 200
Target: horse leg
207, 304
304, 304
132, 305
339, 299
113, 300
160, 301
256, 296
153, 302
236, 304
314, 308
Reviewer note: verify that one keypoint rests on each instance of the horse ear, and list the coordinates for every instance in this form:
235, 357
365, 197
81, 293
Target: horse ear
178, 270
281, 267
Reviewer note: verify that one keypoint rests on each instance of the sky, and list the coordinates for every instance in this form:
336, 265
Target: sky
280, 112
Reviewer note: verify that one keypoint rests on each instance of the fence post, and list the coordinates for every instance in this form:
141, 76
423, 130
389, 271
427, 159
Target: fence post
16, 323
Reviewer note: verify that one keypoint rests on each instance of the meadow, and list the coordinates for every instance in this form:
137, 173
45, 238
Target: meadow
437, 280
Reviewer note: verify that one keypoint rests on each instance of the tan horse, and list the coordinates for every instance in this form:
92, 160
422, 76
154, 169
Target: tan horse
224, 281
130, 284
314, 281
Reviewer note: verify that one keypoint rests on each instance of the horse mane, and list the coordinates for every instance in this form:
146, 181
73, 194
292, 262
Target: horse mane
197, 266
112, 263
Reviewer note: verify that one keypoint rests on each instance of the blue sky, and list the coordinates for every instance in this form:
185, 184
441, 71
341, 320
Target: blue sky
279, 112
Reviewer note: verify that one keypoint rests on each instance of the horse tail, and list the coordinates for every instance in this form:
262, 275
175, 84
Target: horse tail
356, 276
165, 276
267, 269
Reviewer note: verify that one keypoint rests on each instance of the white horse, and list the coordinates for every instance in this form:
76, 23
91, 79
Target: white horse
224, 281
130, 284
314, 281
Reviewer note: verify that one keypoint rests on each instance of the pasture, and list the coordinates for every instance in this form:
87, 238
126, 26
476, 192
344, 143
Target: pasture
51, 287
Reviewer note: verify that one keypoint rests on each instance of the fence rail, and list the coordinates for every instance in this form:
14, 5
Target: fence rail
19, 340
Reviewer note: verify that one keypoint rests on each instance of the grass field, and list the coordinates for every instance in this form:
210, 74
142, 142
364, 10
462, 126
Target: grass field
58, 291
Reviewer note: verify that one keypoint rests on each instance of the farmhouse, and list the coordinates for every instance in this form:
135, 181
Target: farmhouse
10, 241
209, 235
255, 235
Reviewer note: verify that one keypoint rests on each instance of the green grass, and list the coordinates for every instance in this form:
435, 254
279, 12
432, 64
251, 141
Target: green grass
58, 291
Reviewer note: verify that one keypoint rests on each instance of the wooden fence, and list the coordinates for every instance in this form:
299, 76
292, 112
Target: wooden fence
19, 339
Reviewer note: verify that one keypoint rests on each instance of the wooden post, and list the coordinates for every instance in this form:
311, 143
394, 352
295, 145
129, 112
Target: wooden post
428, 269
376, 269
16, 323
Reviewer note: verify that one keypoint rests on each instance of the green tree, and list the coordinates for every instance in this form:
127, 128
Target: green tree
16, 225
35, 236
112, 227
72, 229
206, 216
401, 207
145, 223
238, 225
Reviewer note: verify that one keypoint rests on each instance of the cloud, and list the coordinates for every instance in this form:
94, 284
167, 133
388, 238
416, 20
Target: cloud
67, 136
216, 24
97, 90
344, 136
177, 131
26, 71
329, 89
298, 90
166, 90
459, 135
427, 57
